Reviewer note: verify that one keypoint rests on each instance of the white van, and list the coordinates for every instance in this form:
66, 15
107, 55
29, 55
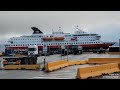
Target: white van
32, 50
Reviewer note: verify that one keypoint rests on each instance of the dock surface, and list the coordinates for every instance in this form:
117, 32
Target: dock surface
64, 73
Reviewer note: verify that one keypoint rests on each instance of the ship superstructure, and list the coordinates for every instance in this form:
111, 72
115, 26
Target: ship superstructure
57, 39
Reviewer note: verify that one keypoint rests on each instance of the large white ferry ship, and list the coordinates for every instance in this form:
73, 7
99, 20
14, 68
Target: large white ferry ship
57, 39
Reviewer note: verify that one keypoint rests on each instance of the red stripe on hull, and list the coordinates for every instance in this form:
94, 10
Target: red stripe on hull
96, 45
17, 48
40, 47
54, 46
69, 46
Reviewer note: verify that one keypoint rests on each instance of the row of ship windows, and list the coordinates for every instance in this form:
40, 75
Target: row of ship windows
28, 36
56, 44
81, 37
84, 37
80, 40
26, 42
87, 39
25, 39
47, 41
38, 39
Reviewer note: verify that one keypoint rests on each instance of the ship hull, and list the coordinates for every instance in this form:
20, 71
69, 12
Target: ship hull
84, 46
96, 46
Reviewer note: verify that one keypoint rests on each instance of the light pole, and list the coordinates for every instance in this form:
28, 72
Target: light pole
60, 49
44, 51
67, 53
119, 46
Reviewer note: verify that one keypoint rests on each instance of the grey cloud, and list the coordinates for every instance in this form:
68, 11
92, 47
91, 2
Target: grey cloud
110, 32
20, 22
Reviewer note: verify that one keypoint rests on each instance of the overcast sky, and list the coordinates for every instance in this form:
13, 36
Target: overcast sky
17, 23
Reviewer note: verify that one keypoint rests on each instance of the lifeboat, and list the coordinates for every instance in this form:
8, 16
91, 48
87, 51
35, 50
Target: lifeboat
59, 38
47, 38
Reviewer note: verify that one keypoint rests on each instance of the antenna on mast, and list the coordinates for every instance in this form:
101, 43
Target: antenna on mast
52, 30
59, 28
77, 27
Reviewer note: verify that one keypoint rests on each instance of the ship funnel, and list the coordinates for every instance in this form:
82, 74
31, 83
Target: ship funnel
36, 30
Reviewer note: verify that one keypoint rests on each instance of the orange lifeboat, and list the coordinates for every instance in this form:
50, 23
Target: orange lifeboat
59, 38
47, 38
